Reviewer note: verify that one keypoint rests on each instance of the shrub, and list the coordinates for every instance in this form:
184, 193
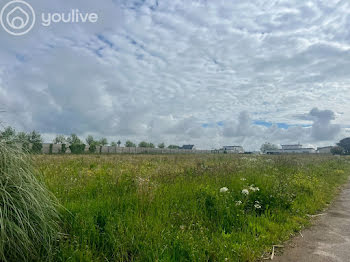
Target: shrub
77, 148
28, 211
63, 149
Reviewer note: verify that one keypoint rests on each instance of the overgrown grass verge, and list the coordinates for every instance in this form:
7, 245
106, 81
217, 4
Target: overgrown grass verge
171, 208
28, 217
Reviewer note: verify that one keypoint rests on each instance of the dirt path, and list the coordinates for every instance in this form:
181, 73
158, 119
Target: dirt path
328, 240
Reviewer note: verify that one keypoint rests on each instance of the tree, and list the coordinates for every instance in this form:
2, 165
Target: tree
103, 141
23, 139
76, 146
345, 144
74, 139
143, 144
129, 144
9, 134
60, 139
151, 145
173, 147
161, 145
337, 150
113, 144
119, 143
267, 147
37, 142
90, 140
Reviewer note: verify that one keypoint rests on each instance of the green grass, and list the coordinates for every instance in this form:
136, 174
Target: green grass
28, 217
169, 208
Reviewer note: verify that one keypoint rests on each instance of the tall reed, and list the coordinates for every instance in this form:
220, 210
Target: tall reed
28, 215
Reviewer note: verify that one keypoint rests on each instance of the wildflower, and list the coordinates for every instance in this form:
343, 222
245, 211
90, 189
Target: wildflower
223, 190
252, 188
243, 179
257, 206
245, 192
238, 203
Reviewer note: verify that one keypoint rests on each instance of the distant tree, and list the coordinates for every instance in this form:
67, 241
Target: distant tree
76, 145
113, 144
337, 150
268, 146
90, 140
60, 139
129, 144
23, 139
345, 144
119, 143
103, 141
37, 142
151, 145
74, 139
9, 134
143, 144
161, 145
173, 147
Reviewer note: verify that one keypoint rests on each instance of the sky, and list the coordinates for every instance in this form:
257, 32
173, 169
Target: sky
209, 73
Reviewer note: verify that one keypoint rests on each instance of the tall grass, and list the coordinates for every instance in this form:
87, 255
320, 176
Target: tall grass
173, 208
28, 216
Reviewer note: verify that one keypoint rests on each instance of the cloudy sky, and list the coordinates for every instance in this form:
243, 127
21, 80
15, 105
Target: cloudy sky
204, 72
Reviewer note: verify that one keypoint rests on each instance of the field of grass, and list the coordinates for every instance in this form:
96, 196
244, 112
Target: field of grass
185, 207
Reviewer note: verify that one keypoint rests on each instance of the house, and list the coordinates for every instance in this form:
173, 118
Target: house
188, 147
324, 150
233, 149
292, 149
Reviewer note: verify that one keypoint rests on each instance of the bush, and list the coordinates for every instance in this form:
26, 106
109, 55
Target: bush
77, 148
28, 212
63, 149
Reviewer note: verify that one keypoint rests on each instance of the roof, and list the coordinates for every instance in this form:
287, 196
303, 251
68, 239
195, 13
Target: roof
187, 147
325, 147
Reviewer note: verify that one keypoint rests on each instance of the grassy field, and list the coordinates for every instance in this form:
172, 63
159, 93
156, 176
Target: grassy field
185, 207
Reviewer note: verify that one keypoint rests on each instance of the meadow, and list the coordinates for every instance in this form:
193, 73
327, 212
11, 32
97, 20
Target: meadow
185, 207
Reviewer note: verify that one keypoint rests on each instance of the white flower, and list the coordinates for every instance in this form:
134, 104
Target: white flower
245, 192
223, 190
243, 179
238, 203
257, 206
252, 188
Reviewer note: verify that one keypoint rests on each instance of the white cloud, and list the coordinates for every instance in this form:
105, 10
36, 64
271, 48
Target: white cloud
159, 70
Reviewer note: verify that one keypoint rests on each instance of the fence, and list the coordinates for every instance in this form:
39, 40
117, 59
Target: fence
57, 148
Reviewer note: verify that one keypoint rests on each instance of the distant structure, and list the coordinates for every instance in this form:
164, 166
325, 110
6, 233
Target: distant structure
233, 149
324, 150
292, 149
188, 147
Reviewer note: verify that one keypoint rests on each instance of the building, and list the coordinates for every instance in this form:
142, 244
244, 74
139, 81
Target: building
188, 147
233, 149
292, 149
324, 150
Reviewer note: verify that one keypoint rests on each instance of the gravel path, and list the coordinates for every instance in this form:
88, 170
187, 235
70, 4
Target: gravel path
328, 240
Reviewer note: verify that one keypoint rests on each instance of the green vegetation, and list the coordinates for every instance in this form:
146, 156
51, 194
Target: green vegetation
144, 144
186, 207
28, 217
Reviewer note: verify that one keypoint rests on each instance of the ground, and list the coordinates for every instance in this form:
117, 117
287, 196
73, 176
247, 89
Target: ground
329, 238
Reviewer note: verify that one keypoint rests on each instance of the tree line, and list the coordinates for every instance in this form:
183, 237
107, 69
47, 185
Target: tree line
32, 142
